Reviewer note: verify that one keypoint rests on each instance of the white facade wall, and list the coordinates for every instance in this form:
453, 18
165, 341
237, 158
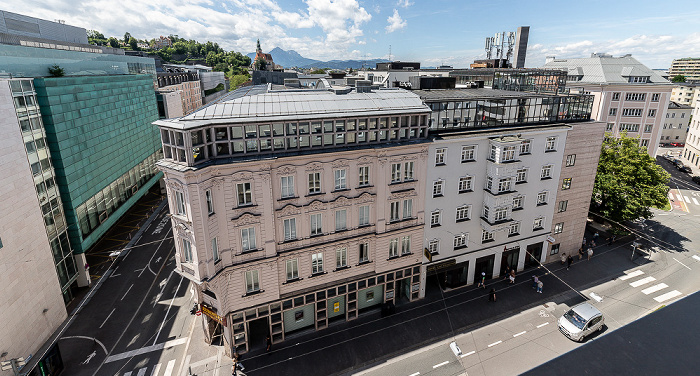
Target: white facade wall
691, 151
686, 94
676, 125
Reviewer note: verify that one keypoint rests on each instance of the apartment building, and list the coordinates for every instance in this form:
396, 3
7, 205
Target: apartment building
677, 123
688, 67
292, 209
691, 150
686, 93
178, 94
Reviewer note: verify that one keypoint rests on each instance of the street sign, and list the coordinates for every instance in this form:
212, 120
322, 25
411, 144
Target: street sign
428, 255
550, 239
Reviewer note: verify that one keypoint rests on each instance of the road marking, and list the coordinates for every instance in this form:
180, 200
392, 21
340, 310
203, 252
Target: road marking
148, 265
168, 311
142, 371
91, 339
156, 370
89, 357
654, 288
441, 364
467, 354
631, 275
541, 325
414, 374
114, 275
169, 368
128, 373
695, 201
667, 296
127, 291
495, 343
642, 281
519, 334
696, 257
680, 198
110, 314
146, 349
682, 264
670, 195
686, 199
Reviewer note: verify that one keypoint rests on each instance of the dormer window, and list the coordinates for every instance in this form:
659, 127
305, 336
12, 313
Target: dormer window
638, 79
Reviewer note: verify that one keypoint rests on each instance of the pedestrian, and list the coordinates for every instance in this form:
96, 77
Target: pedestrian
580, 253
539, 286
569, 261
507, 273
595, 236
583, 244
268, 342
563, 258
590, 253
512, 276
236, 365
492, 295
482, 283
592, 243
534, 281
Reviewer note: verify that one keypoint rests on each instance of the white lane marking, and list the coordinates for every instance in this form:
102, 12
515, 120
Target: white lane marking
695, 201
146, 349
519, 334
631, 275
114, 275
168, 310
441, 364
670, 195
686, 199
142, 371
667, 296
654, 288
91, 339
127, 291
89, 357
148, 265
495, 343
680, 198
682, 264
467, 354
696, 257
541, 325
128, 373
169, 368
110, 314
414, 374
642, 281
156, 369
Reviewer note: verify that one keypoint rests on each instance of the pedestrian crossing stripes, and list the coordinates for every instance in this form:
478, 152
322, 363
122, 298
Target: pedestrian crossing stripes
156, 370
635, 273
667, 296
642, 281
679, 197
654, 288
694, 201
696, 257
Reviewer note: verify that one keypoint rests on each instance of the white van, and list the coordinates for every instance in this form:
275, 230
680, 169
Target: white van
580, 321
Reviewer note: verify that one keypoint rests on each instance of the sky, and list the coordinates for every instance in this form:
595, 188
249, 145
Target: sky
435, 32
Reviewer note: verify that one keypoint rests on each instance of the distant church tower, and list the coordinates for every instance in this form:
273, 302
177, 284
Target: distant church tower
258, 50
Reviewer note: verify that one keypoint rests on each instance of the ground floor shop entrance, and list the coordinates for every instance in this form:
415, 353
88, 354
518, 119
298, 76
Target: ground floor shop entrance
258, 330
455, 276
484, 265
509, 259
534, 255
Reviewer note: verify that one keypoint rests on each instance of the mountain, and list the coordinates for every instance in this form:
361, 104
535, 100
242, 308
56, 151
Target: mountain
292, 58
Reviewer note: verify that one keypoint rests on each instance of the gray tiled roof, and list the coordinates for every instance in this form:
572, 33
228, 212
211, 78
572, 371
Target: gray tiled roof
471, 94
605, 69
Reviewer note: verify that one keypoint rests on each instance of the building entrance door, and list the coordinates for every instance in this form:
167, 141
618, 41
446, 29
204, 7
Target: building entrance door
456, 276
534, 254
403, 291
510, 259
257, 332
485, 265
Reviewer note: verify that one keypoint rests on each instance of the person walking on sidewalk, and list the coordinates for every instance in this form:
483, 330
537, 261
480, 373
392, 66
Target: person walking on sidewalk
580, 253
482, 283
563, 258
268, 343
236, 365
511, 277
569, 261
507, 273
539, 286
492, 295
590, 253
535, 280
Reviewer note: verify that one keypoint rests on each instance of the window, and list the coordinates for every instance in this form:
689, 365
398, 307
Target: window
525, 146
613, 112
655, 97
248, 239
292, 269
542, 198
489, 183
460, 241
514, 228
610, 127
435, 218
504, 185
570, 160
437, 188
245, 196
340, 180
290, 229
635, 96
215, 249
315, 221
558, 228
406, 245
645, 143
210, 201
492, 153
652, 113
638, 79
538, 224
408, 208
648, 127
364, 176
462, 213
287, 184
616, 96
396, 173
468, 153
252, 281
341, 220
186, 250
546, 172
508, 153
440, 156
434, 246
317, 263
629, 127
364, 252
314, 182
500, 214
394, 208
551, 144
555, 249
521, 175
518, 202
363, 215
408, 171
632, 112
486, 236
394, 247
180, 202
566, 183
341, 257
465, 184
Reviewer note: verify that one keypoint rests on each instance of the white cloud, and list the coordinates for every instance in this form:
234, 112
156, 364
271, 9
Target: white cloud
404, 3
395, 22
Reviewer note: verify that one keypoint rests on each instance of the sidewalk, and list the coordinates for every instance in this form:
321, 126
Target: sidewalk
347, 347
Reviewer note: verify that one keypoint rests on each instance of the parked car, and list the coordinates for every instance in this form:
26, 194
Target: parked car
696, 179
668, 157
580, 321
679, 144
677, 162
686, 169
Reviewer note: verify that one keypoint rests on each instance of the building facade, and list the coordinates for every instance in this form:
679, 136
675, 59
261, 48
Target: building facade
691, 151
293, 209
187, 85
677, 123
686, 94
688, 67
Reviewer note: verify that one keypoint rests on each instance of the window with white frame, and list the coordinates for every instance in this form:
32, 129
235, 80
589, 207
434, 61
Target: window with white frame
287, 185
244, 194
486, 236
542, 198
570, 160
290, 229
546, 172
655, 97
460, 241
645, 142
315, 220
468, 153
525, 147
561, 207
521, 175
551, 144
363, 215
566, 183
504, 185
434, 246
408, 171
341, 220
518, 202
612, 112
394, 211
364, 252
317, 263
440, 156
437, 188
558, 227
508, 154
210, 201
435, 218
500, 214
486, 211
514, 228
629, 127
314, 182
396, 172
248, 239
635, 96
648, 128
406, 245
465, 184
215, 249
609, 127
652, 112
341, 257
408, 208
632, 112
538, 224
364, 176
462, 213
252, 281
340, 179
292, 269
616, 96
492, 152
489, 183
394, 247
180, 203
186, 250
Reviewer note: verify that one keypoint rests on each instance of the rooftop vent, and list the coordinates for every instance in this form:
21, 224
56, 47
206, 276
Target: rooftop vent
363, 86
292, 83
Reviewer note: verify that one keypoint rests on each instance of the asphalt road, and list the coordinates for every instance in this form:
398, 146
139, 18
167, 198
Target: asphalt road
138, 322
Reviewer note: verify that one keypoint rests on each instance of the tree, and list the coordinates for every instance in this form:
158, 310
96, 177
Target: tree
134, 44
127, 37
96, 38
260, 64
56, 71
678, 78
628, 181
236, 81
113, 42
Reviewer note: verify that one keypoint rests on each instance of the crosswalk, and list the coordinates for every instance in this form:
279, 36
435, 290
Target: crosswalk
155, 371
648, 290
683, 198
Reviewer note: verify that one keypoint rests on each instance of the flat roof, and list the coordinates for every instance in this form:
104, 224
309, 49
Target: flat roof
472, 94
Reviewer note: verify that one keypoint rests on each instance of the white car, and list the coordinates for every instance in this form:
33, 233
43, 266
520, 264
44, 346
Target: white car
580, 321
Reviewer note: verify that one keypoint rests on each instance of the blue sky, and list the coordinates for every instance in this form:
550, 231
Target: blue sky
433, 32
